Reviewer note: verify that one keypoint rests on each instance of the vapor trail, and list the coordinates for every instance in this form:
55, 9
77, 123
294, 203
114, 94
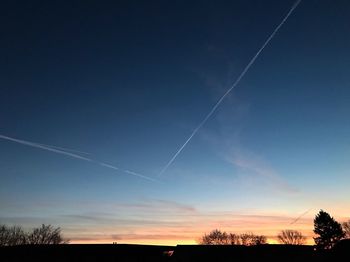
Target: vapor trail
66, 149
63, 152
45, 147
128, 172
251, 62
298, 218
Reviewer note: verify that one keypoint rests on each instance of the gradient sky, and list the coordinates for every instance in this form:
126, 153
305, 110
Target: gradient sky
128, 81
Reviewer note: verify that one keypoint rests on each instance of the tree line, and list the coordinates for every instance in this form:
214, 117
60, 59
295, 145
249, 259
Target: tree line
218, 237
327, 230
44, 235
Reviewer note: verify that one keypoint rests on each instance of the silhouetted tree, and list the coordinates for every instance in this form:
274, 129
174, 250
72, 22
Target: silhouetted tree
234, 239
11, 236
215, 237
46, 234
3, 235
260, 240
249, 239
328, 229
291, 237
245, 239
346, 228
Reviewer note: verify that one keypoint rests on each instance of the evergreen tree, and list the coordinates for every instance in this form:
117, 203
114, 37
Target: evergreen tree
329, 231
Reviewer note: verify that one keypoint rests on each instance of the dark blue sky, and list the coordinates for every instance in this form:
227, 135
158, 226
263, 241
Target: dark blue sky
128, 81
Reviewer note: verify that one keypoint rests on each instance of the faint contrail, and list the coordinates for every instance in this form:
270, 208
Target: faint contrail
63, 152
128, 172
251, 62
298, 218
45, 147
65, 149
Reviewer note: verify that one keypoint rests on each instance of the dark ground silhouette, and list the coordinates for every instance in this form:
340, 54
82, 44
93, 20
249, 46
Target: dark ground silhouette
182, 253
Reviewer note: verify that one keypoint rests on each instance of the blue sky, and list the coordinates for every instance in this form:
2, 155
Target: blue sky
128, 82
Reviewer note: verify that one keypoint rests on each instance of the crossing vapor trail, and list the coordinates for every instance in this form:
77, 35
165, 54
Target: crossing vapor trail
211, 112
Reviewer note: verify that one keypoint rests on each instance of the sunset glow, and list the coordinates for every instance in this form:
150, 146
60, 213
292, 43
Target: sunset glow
156, 122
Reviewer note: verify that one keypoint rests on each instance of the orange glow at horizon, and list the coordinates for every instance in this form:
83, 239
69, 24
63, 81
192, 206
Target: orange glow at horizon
168, 242
191, 237
188, 229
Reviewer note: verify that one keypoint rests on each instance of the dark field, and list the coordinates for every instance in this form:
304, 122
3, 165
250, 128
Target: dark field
121, 252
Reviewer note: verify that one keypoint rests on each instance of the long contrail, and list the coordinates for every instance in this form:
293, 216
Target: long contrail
66, 149
63, 152
128, 172
45, 147
251, 62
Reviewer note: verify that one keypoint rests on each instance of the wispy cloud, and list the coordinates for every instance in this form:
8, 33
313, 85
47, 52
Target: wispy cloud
148, 236
256, 165
189, 228
151, 221
160, 205
252, 169
235, 83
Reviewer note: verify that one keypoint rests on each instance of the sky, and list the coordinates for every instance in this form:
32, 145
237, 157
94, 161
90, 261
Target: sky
97, 97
